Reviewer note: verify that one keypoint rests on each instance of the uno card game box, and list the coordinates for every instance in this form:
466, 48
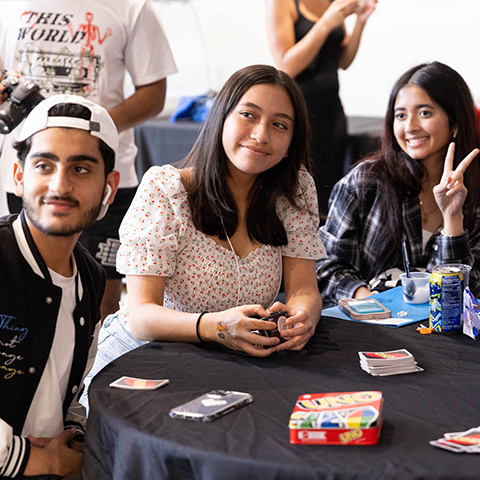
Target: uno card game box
345, 418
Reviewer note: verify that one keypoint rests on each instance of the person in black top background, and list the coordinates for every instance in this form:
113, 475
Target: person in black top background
309, 42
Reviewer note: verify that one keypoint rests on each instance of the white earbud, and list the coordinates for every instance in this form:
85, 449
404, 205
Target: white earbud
107, 195
104, 207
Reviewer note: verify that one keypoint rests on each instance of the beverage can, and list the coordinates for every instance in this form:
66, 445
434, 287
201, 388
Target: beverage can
446, 299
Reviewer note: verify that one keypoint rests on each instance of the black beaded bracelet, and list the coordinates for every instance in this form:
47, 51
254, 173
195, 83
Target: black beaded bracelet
198, 327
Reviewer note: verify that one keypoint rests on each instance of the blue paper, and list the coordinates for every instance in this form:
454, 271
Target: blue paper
393, 300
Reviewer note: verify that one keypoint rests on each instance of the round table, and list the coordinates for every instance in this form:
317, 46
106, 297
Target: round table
131, 436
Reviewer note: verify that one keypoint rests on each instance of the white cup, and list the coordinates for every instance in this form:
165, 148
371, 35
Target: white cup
416, 289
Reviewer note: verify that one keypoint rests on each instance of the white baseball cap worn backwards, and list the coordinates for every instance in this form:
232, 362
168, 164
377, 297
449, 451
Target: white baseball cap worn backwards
100, 124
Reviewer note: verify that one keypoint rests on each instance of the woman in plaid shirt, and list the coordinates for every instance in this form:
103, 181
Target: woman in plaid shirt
413, 188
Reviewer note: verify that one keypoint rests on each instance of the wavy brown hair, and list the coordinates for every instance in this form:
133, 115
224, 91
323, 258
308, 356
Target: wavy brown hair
399, 175
209, 195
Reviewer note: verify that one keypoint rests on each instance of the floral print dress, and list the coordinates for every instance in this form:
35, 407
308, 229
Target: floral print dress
158, 237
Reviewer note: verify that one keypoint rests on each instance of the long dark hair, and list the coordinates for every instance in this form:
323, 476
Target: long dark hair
400, 175
209, 195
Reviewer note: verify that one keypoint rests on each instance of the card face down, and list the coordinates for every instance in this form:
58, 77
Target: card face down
131, 383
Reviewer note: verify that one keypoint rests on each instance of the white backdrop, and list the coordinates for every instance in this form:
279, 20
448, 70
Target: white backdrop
213, 38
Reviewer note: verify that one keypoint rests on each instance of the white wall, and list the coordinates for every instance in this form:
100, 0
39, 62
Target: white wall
213, 38
229, 34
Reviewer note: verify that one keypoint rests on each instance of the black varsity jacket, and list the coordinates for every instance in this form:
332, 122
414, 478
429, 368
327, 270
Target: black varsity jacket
29, 306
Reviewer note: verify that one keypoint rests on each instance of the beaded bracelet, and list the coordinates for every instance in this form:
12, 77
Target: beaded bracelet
198, 327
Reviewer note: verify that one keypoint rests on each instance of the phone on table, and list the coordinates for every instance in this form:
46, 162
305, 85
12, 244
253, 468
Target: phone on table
365, 309
211, 405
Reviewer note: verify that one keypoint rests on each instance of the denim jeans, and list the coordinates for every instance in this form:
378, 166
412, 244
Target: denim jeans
113, 341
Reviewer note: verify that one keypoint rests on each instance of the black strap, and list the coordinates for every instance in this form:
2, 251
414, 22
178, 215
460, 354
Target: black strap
33, 248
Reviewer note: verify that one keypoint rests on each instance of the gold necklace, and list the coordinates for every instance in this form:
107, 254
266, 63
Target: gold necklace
425, 217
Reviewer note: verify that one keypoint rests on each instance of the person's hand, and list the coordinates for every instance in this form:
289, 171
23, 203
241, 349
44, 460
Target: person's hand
362, 292
450, 193
302, 327
233, 328
363, 13
53, 456
39, 442
74, 445
339, 10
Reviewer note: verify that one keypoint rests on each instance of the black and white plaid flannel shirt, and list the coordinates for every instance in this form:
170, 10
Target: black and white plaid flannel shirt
354, 227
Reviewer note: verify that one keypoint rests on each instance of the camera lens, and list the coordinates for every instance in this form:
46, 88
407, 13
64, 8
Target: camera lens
6, 125
16, 107
10, 116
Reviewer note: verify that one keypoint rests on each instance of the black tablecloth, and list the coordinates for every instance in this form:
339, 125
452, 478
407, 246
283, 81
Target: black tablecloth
160, 142
131, 436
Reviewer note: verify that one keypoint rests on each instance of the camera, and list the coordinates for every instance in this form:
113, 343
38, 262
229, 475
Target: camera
23, 96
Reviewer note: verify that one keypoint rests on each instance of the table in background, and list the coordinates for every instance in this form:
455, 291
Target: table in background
160, 142
130, 434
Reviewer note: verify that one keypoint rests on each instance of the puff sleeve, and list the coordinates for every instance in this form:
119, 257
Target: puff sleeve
301, 224
151, 229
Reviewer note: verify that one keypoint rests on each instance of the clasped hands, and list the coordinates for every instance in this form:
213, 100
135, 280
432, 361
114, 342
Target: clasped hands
235, 329
59, 455
339, 10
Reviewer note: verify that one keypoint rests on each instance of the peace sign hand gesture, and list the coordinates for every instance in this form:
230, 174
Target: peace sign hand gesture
450, 193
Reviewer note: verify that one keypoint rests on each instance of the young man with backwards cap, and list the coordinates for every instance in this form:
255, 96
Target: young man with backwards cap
86, 48
51, 288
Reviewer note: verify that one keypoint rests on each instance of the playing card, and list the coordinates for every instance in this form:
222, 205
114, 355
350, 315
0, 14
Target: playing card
460, 442
473, 433
382, 358
131, 383
329, 419
388, 363
439, 443
382, 372
469, 440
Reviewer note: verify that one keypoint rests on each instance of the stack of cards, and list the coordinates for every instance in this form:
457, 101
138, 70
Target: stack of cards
388, 363
460, 442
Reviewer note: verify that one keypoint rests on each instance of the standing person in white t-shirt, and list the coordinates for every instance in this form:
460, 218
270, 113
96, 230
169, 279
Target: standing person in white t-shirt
51, 286
85, 48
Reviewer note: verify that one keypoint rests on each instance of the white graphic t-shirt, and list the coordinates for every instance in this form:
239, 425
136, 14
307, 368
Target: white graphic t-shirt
84, 47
